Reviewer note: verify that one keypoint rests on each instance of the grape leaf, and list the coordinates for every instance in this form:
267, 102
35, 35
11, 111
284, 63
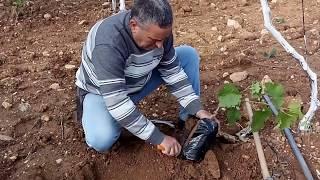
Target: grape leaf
286, 119
295, 108
233, 115
259, 118
276, 92
256, 90
229, 96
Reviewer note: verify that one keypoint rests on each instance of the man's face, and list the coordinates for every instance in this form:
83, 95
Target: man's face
149, 36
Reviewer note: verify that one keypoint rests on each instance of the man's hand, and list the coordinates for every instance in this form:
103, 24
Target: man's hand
204, 114
171, 146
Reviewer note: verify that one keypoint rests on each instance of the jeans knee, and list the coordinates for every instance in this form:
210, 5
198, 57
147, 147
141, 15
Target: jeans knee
102, 143
190, 55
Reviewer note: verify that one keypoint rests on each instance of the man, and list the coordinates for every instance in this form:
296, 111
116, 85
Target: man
125, 58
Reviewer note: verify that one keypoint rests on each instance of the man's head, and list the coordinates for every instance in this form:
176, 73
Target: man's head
151, 23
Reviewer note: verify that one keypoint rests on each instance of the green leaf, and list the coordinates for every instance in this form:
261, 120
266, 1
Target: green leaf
285, 120
256, 90
229, 96
233, 115
276, 92
259, 118
295, 108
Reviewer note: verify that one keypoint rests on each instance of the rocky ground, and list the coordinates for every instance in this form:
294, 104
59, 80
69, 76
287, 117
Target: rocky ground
40, 45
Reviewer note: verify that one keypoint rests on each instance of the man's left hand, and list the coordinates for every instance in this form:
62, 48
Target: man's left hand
204, 114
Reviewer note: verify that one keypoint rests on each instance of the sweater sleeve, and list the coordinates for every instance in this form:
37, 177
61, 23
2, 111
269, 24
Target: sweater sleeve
177, 81
109, 66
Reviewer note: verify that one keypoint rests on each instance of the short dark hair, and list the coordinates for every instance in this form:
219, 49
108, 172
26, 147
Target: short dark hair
157, 12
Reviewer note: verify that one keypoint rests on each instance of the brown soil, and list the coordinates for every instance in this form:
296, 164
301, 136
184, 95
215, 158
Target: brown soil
35, 50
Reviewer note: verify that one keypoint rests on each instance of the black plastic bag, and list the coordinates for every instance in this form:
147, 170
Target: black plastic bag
203, 137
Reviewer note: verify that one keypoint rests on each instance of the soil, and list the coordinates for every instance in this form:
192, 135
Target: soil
49, 143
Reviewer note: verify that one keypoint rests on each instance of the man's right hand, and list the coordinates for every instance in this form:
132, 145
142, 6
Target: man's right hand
171, 146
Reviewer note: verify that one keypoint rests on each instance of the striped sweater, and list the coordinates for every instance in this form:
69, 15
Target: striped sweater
115, 67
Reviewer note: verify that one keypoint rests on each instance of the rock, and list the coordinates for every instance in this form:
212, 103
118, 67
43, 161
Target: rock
1, 4
246, 35
245, 156
315, 22
83, 22
233, 24
24, 106
61, 53
238, 76
58, 161
220, 38
226, 82
54, 86
45, 118
225, 74
244, 3
214, 28
5, 138
13, 158
45, 54
106, 4
264, 32
70, 66
223, 49
6, 105
47, 16
274, 1
186, 9
212, 165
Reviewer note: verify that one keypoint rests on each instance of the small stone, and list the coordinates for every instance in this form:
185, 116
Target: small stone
45, 54
223, 49
54, 86
24, 106
299, 145
214, 28
298, 140
225, 74
6, 105
245, 156
1, 4
47, 16
264, 32
312, 147
5, 138
244, 2
274, 1
106, 4
83, 22
315, 22
45, 118
233, 24
13, 158
292, 77
238, 76
205, 86
58, 161
226, 82
220, 38
60, 53
70, 66
187, 9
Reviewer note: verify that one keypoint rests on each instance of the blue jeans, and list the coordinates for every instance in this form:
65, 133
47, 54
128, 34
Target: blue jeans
102, 130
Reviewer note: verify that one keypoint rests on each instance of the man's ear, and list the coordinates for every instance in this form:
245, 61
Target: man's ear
133, 25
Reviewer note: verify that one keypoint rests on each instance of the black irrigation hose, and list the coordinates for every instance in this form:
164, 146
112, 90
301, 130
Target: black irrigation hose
293, 145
